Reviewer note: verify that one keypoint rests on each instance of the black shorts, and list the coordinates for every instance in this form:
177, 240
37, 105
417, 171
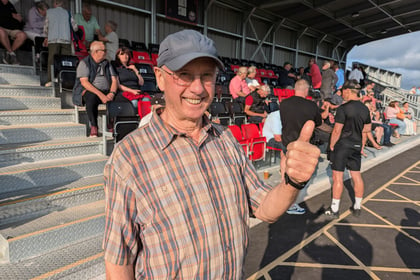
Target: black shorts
346, 156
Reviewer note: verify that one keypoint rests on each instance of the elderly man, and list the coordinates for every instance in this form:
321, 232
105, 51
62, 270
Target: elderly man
286, 77
256, 104
96, 83
179, 190
11, 24
238, 87
352, 124
89, 23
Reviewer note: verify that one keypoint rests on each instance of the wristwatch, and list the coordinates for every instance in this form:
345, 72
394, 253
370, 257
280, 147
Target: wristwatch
298, 186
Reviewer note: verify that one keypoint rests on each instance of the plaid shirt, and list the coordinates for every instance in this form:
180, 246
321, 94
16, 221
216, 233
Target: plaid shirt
178, 209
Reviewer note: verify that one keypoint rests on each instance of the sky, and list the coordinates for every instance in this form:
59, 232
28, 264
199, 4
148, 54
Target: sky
399, 54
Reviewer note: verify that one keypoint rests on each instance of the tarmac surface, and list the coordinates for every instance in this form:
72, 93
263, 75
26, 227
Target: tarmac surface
383, 243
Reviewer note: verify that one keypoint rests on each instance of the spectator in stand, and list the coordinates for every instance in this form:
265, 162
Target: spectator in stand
238, 87
11, 24
411, 124
315, 74
179, 191
129, 78
286, 76
413, 90
376, 130
394, 115
252, 83
89, 23
57, 27
340, 76
364, 75
110, 39
336, 99
356, 74
272, 129
329, 79
34, 26
96, 83
375, 116
256, 105
369, 88
295, 112
304, 75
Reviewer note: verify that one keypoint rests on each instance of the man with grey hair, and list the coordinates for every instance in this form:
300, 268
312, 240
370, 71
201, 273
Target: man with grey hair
110, 39
179, 190
256, 105
238, 87
96, 83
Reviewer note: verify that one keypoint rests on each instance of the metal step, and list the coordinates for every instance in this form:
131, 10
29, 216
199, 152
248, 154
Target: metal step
32, 204
29, 102
50, 173
15, 134
14, 90
64, 148
22, 117
81, 261
55, 230
18, 75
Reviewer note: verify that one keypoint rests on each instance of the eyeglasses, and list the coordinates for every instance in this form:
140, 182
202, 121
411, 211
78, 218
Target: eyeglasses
183, 78
100, 50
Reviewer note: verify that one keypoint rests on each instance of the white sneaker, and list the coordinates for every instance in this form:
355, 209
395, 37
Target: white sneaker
295, 209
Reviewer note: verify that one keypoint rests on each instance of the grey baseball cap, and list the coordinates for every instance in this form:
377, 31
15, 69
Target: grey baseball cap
181, 47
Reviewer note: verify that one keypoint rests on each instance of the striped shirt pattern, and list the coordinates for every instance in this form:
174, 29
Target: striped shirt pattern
178, 209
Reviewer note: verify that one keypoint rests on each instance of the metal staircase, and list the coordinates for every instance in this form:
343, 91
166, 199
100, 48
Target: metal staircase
51, 185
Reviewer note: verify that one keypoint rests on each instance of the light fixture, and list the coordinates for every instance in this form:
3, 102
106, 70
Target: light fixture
355, 14
384, 31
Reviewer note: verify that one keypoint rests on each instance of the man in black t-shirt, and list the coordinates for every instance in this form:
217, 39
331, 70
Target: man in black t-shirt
352, 124
11, 24
295, 112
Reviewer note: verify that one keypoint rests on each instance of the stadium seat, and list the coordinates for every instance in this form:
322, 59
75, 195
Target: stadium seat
65, 71
219, 110
122, 117
257, 144
236, 131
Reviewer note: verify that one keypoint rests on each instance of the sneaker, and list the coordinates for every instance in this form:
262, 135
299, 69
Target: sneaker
13, 59
356, 212
296, 210
93, 131
6, 58
330, 213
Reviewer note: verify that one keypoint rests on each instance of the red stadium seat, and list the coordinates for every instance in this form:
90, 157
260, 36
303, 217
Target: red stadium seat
257, 144
236, 131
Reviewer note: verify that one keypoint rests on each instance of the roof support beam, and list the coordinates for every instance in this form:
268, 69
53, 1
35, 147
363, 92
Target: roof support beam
389, 15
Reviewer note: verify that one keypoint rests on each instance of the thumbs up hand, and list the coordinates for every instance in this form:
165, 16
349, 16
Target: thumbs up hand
302, 157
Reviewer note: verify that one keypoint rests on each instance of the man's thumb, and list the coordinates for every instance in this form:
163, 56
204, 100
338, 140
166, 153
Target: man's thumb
306, 132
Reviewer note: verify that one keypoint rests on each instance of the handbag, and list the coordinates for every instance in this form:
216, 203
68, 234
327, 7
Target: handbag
401, 116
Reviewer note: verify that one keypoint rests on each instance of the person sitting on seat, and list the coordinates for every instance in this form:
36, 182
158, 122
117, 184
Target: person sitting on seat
392, 114
256, 104
252, 83
34, 26
272, 129
238, 87
130, 79
409, 120
11, 24
96, 83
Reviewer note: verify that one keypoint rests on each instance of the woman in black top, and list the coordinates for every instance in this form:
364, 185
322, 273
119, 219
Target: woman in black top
130, 79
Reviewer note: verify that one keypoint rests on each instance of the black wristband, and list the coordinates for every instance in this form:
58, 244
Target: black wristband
298, 186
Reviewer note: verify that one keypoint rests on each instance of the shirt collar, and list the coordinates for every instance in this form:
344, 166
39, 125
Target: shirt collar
165, 134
